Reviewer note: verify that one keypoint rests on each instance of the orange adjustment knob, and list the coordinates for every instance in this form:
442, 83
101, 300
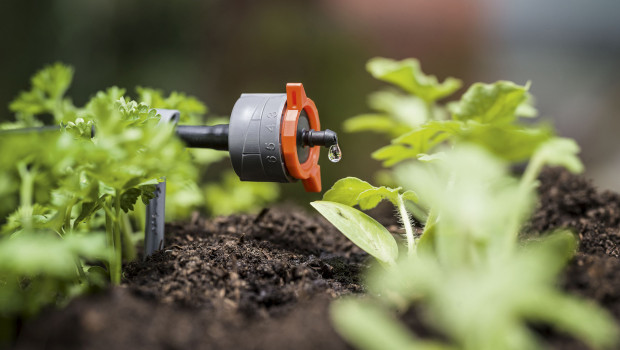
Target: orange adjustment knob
309, 172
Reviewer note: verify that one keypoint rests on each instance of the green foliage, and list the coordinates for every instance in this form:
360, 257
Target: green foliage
486, 114
352, 191
397, 114
361, 229
497, 103
408, 75
191, 109
489, 306
46, 95
40, 268
370, 327
475, 283
555, 152
233, 195
130, 197
61, 186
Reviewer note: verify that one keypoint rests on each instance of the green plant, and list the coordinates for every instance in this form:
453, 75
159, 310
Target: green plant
486, 114
40, 268
476, 284
338, 202
232, 195
62, 186
473, 279
359, 227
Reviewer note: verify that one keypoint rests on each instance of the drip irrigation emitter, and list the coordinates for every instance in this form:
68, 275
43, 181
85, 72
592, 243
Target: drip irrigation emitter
270, 138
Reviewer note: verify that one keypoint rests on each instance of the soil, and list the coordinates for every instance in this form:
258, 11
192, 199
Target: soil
265, 281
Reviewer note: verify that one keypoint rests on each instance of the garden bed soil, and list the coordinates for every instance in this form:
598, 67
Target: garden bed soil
265, 281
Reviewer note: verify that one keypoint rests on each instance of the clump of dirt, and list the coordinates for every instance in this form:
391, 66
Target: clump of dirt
265, 281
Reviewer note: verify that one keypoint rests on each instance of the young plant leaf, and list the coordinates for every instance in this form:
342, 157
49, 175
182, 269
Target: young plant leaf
361, 229
190, 108
418, 141
347, 190
555, 152
370, 198
490, 103
560, 151
353, 191
408, 75
510, 142
408, 110
232, 195
381, 123
370, 327
46, 94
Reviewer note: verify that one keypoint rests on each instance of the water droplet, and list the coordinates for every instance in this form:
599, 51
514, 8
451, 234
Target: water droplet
334, 154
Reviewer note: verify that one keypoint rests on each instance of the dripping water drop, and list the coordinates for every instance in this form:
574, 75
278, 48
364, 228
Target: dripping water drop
334, 154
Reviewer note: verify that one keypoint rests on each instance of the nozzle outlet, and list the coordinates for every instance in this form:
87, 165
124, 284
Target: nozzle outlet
325, 138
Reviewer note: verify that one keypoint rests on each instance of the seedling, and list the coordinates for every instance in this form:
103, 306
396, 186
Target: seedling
478, 287
359, 227
270, 138
110, 158
475, 283
487, 115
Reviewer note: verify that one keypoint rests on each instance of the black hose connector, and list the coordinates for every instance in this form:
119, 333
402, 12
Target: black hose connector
199, 136
324, 138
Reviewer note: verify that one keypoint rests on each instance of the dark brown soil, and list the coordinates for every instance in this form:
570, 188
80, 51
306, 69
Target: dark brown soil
569, 201
265, 281
261, 282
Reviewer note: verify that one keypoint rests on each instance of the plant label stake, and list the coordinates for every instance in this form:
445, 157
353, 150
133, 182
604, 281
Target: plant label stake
270, 138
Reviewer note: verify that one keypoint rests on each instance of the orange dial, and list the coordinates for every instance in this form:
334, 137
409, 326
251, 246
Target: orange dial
309, 172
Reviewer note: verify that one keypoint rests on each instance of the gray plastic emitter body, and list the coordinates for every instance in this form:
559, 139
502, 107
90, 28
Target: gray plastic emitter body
254, 138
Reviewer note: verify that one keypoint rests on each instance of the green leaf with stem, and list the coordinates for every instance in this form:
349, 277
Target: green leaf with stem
352, 191
361, 229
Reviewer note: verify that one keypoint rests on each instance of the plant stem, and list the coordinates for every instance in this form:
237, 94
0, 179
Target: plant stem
526, 185
118, 245
430, 220
127, 237
140, 216
67, 224
26, 190
404, 215
429, 110
531, 174
109, 230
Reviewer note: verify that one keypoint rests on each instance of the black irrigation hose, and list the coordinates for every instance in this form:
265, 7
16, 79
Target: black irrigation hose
200, 136
195, 136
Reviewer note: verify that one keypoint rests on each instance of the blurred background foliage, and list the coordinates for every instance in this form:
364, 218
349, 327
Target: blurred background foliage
216, 50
